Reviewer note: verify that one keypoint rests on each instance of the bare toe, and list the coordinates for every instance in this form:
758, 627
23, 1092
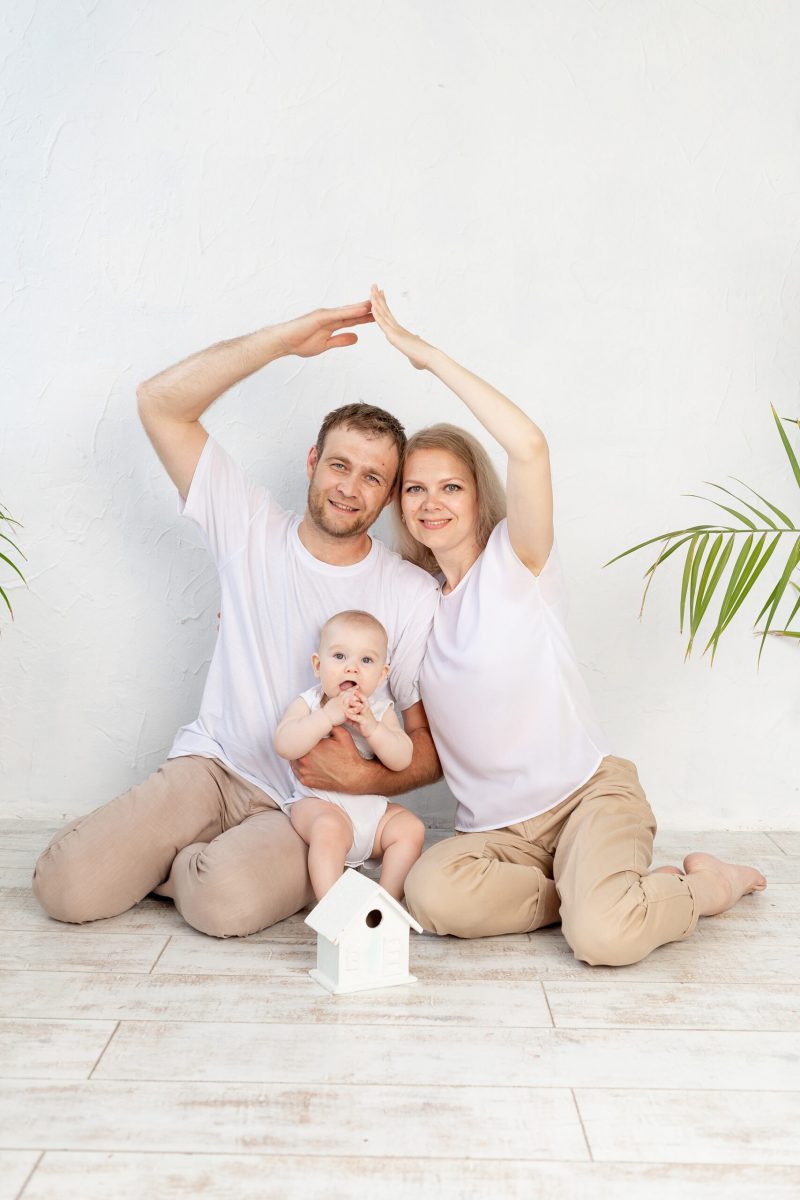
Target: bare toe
731, 881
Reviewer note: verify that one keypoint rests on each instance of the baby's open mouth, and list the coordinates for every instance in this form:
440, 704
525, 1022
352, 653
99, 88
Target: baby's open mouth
348, 683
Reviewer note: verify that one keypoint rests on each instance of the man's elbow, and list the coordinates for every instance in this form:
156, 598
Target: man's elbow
144, 402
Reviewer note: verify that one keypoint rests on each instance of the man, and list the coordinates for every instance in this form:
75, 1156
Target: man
206, 829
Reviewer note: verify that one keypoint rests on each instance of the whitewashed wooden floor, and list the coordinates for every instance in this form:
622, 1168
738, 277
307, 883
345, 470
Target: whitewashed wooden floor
141, 1059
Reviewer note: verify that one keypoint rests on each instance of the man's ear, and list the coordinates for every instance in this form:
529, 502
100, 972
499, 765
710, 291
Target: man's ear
315, 664
391, 496
311, 461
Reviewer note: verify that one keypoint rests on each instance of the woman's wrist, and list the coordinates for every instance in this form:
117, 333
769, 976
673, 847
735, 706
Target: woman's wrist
434, 359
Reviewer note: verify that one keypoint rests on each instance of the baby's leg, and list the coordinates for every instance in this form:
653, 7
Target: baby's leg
398, 841
328, 832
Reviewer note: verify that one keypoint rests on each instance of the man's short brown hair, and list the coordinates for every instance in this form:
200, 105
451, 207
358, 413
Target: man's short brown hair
367, 419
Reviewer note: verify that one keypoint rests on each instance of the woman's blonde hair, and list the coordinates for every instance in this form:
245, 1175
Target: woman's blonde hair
491, 496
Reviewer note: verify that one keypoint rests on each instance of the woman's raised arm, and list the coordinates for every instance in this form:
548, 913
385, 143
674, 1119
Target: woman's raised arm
529, 486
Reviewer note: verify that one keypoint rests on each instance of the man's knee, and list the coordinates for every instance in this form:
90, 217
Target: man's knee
60, 882
217, 899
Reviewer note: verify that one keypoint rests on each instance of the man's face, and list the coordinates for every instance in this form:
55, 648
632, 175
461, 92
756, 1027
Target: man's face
351, 481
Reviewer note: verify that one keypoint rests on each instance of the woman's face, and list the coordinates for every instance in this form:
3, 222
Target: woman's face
439, 500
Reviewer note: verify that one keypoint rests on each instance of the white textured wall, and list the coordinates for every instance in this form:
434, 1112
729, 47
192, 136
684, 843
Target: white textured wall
594, 205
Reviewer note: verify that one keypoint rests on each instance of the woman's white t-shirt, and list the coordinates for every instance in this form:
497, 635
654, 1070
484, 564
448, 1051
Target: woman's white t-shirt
508, 709
276, 597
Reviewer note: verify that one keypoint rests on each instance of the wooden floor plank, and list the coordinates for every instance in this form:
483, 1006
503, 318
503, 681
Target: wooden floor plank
31, 1049
193, 953
296, 1177
368, 1121
734, 846
71, 949
62, 995
586, 1058
741, 958
788, 842
692, 1127
589, 1005
15, 1167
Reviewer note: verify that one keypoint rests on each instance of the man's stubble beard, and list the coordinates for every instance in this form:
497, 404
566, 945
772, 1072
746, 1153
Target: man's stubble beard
318, 512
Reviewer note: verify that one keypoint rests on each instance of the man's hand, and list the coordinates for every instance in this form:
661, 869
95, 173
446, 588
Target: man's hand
316, 331
333, 765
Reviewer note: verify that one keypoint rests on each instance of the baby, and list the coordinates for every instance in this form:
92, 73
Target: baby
339, 829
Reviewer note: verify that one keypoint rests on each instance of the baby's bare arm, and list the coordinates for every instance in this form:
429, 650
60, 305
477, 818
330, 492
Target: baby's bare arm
300, 729
390, 743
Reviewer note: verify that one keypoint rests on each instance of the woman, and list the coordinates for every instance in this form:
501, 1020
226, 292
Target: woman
550, 826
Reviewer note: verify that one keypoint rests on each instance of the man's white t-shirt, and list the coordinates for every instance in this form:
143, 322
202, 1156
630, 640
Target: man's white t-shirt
276, 597
507, 706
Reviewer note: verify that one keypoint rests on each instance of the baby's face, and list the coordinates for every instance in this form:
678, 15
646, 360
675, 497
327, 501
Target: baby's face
350, 656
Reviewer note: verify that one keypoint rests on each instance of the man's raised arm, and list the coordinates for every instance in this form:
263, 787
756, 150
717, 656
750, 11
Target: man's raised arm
172, 402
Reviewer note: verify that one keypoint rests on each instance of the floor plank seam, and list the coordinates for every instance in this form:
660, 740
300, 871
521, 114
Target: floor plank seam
111, 1036
29, 1176
176, 1082
158, 956
490, 1026
579, 1115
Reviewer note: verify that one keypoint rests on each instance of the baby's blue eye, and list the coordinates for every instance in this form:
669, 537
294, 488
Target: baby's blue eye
366, 659
338, 654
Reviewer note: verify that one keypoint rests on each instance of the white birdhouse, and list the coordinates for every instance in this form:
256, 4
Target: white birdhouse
362, 936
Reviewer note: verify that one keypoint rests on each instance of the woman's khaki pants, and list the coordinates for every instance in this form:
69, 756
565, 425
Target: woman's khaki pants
597, 845
194, 831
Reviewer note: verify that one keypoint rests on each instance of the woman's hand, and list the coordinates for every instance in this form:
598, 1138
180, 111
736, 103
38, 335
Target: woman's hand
416, 351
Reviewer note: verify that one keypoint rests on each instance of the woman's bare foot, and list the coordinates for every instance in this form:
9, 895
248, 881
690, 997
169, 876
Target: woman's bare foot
719, 885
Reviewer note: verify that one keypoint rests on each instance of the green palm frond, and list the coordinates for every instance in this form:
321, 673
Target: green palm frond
757, 532
4, 517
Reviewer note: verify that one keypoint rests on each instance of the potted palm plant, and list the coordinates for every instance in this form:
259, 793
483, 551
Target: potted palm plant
6, 522
757, 534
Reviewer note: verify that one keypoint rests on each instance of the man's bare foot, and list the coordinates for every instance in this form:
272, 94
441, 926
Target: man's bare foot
719, 885
667, 871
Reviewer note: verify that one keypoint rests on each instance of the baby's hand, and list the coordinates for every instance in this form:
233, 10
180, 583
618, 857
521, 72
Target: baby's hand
337, 709
359, 712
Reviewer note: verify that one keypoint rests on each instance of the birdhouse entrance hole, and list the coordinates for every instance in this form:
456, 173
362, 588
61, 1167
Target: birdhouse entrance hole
374, 918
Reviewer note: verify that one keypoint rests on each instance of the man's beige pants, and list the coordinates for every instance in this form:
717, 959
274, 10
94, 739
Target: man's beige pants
597, 845
194, 831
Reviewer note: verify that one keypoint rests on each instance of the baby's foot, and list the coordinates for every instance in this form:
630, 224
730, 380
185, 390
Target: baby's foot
667, 871
728, 882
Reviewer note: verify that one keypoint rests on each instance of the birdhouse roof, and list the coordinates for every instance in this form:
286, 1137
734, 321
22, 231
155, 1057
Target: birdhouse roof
347, 901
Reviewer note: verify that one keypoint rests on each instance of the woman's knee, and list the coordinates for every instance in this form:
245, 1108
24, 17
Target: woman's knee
604, 940
432, 900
